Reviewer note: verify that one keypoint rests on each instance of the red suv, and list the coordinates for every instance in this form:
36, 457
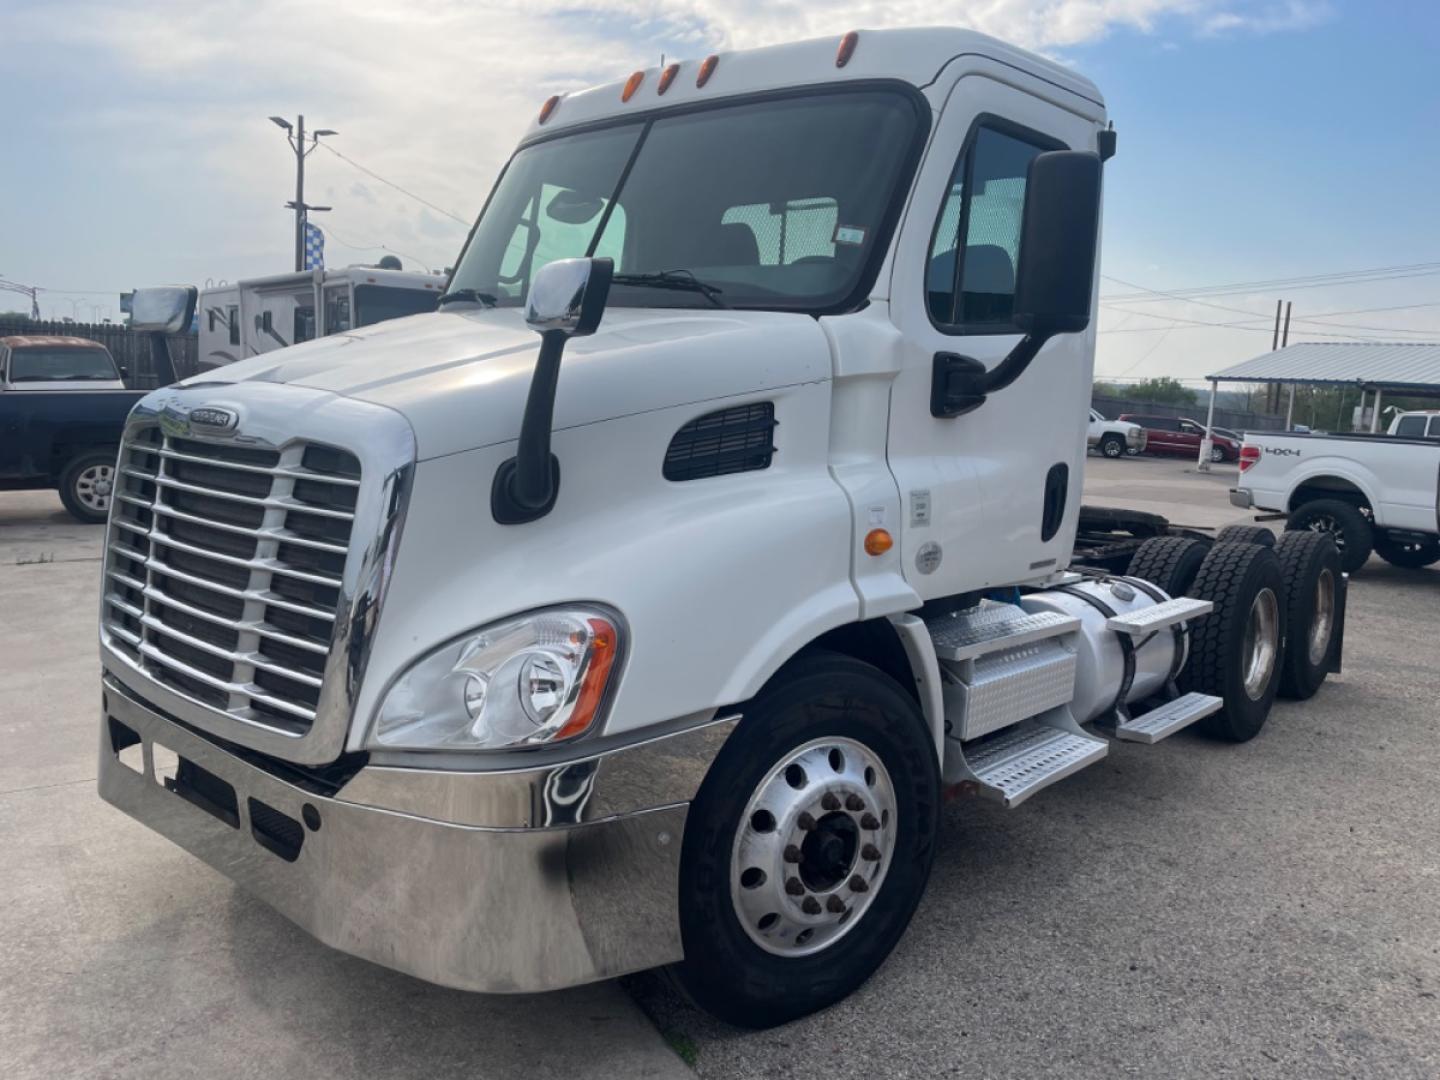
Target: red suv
1169, 435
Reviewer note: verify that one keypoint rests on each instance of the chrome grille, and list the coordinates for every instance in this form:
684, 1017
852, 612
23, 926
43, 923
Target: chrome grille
225, 567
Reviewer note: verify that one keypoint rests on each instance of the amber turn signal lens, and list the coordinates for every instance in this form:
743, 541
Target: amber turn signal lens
706, 70
548, 107
631, 85
667, 77
878, 541
846, 49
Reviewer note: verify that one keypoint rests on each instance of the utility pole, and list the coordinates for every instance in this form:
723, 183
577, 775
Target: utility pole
295, 136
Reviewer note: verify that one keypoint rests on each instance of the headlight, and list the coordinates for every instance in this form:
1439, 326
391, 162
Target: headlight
539, 678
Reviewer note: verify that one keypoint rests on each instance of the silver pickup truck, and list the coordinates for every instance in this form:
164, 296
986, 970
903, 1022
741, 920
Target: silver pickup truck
1373, 493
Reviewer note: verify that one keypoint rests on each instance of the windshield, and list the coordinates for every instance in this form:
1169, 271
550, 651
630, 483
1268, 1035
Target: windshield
776, 204
46, 364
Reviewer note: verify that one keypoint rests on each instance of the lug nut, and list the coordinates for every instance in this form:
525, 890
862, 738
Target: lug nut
858, 884
805, 821
794, 886
870, 853
834, 904
810, 906
792, 854
869, 821
854, 803
830, 801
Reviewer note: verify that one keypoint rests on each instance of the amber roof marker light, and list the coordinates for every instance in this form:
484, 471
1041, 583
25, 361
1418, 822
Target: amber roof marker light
667, 77
631, 85
847, 48
549, 107
707, 68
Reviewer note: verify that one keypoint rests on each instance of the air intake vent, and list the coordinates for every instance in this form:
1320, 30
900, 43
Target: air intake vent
729, 441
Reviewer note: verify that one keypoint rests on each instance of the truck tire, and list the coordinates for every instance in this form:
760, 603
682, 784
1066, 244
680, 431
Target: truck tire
1346, 525
1311, 568
1235, 651
1171, 562
1245, 534
1410, 554
86, 483
829, 782
1112, 445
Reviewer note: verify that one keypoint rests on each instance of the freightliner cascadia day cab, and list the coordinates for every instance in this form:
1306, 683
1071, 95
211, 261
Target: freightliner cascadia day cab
640, 606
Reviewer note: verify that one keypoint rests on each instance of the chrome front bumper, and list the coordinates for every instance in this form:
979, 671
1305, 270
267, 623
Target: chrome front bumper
498, 910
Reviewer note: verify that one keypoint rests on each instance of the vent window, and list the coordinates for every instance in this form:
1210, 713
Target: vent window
729, 441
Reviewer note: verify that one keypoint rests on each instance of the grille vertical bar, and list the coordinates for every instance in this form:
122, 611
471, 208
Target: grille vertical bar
224, 570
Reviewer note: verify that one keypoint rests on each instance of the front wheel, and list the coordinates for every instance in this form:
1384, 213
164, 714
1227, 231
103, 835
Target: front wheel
86, 483
1112, 446
808, 845
1409, 554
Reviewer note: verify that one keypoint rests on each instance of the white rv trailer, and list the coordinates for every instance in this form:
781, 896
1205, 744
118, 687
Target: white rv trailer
256, 316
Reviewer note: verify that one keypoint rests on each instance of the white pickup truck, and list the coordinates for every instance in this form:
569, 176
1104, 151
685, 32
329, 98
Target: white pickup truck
518, 661
1370, 492
1113, 438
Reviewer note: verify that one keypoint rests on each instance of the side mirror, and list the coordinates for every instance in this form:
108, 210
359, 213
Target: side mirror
1058, 240
568, 296
166, 309
567, 299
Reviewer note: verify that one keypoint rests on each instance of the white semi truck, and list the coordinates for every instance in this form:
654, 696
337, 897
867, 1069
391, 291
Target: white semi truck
260, 315
514, 670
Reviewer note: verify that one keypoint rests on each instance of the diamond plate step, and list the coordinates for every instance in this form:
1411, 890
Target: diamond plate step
1014, 765
992, 627
1169, 718
1168, 613
1002, 688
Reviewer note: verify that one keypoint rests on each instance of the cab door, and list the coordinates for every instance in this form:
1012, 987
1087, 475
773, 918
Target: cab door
990, 497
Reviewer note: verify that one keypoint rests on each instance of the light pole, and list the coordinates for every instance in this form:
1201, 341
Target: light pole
295, 136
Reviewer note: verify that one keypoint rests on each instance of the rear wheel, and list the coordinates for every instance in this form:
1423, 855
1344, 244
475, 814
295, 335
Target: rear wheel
1245, 534
1235, 650
1217, 452
808, 845
86, 483
1311, 567
1171, 562
1410, 554
1344, 522
1113, 446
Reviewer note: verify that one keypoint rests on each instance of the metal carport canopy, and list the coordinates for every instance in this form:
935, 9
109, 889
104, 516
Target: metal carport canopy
1374, 365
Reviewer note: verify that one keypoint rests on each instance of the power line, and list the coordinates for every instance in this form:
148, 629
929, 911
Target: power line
1313, 281
390, 183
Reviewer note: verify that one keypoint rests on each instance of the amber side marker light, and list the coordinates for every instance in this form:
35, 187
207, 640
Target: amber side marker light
667, 77
878, 541
592, 690
631, 85
847, 48
548, 107
706, 70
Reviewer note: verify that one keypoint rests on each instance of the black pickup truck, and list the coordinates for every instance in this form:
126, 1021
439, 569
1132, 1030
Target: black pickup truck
62, 408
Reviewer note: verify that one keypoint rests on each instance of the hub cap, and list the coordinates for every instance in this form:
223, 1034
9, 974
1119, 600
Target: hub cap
1261, 644
1324, 617
813, 847
93, 487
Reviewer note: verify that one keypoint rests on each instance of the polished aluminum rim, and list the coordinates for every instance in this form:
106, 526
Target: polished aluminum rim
813, 847
93, 487
1324, 617
1112, 449
1324, 523
1262, 642
1217, 453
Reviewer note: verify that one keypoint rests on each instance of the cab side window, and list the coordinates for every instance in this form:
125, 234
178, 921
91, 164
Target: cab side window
970, 280
1411, 425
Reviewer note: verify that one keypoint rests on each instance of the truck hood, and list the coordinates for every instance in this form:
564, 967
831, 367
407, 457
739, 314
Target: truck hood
461, 377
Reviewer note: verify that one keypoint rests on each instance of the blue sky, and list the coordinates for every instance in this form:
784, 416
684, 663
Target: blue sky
1259, 139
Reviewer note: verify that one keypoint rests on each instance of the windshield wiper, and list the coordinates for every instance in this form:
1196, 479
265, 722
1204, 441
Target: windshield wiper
469, 296
684, 280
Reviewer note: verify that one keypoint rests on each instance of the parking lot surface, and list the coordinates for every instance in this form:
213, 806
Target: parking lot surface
1183, 910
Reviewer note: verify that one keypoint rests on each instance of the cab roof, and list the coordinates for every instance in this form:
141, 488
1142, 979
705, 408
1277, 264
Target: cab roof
914, 56
49, 341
